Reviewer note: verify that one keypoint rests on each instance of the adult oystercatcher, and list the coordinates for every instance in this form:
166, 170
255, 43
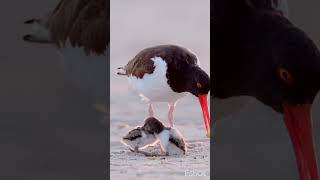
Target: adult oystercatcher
80, 31
166, 73
258, 52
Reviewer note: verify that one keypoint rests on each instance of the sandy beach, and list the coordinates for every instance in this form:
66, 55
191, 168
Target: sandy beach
135, 26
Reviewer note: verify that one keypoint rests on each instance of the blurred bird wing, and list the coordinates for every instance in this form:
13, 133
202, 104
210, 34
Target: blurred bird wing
84, 22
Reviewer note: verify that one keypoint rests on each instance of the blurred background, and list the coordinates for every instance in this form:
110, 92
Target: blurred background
46, 125
253, 143
48, 129
136, 25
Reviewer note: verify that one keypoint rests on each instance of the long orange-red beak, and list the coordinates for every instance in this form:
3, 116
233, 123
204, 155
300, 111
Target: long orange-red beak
203, 99
299, 123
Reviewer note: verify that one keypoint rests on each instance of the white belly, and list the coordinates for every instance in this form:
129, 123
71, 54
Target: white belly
154, 87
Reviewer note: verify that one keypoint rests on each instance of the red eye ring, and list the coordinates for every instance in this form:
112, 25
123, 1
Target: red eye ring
285, 75
199, 85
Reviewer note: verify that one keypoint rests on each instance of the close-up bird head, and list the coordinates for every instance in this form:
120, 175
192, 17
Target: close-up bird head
295, 72
200, 82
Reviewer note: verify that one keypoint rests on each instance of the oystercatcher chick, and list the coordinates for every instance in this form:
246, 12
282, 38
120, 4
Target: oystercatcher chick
152, 132
170, 139
167, 73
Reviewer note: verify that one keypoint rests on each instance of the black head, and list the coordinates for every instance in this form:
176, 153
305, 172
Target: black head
296, 77
199, 85
295, 71
187, 76
199, 82
153, 125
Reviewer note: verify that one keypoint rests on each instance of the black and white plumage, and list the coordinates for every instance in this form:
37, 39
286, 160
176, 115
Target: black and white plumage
153, 131
171, 140
138, 138
166, 73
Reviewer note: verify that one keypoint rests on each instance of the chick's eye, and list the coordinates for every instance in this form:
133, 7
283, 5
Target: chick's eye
285, 75
199, 85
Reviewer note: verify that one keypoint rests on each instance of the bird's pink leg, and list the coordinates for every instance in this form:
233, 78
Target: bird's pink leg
170, 113
151, 112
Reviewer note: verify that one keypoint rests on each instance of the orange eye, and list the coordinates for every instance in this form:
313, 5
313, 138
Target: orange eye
199, 85
285, 75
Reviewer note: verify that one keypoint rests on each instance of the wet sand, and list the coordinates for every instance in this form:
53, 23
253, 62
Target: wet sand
137, 25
